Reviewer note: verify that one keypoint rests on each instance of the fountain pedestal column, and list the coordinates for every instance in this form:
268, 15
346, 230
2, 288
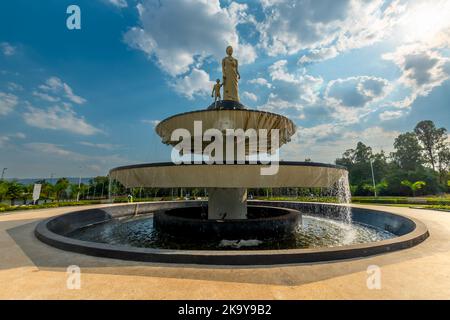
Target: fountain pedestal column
227, 203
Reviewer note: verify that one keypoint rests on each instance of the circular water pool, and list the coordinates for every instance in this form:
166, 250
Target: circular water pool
127, 232
312, 232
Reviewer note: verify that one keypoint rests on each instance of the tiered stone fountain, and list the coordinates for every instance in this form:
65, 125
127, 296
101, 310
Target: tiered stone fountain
213, 232
226, 181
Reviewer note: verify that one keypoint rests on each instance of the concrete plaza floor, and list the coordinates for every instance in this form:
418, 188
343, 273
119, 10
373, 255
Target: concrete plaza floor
30, 269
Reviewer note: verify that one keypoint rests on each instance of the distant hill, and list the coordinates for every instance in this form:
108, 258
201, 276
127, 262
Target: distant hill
53, 181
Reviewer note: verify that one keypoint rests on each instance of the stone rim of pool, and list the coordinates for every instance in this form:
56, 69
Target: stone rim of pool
411, 232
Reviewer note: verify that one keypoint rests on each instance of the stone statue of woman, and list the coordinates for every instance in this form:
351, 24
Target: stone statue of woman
231, 76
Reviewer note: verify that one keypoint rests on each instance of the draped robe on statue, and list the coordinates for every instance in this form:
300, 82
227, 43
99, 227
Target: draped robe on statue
230, 81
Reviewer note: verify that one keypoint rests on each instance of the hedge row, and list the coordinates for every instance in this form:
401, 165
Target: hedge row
418, 201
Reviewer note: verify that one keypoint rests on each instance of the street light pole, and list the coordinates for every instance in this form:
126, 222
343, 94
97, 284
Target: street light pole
3, 173
79, 186
373, 179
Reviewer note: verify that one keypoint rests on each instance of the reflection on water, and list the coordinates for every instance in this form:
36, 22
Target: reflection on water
313, 232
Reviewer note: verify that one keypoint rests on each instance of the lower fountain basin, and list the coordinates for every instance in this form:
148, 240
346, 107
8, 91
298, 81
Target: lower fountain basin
120, 233
285, 174
261, 223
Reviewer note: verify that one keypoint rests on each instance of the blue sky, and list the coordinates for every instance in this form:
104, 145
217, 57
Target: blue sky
83, 101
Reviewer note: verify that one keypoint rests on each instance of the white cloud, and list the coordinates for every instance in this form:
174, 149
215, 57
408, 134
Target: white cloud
153, 123
7, 49
118, 3
51, 153
5, 139
326, 142
390, 115
422, 70
195, 83
181, 34
7, 103
294, 87
356, 92
355, 97
45, 96
105, 146
12, 86
59, 118
261, 82
56, 86
325, 27
250, 96
316, 55
426, 23
49, 148
19, 135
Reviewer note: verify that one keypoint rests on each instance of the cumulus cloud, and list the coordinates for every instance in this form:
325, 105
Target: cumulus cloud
356, 92
390, 115
355, 97
56, 86
45, 96
8, 102
324, 27
249, 96
7, 49
12, 86
296, 87
316, 55
197, 82
326, 142
422, 70
261, 82
180, 34
118, 3
59, 118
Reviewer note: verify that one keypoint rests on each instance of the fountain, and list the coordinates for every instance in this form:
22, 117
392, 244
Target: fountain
227, 148
257, 134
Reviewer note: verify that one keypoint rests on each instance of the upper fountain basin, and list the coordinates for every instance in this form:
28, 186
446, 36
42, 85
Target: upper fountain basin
223, 119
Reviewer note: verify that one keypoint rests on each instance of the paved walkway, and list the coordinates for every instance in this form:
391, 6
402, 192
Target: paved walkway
30, 269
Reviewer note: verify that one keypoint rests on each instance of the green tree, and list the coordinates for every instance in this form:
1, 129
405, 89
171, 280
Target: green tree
414, 186
15, 190
443, 163
3, 189
408, 153
357, 161
60, 187
47, 189
432, 139
379, 187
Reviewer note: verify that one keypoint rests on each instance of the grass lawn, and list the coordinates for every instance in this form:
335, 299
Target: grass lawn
430, 202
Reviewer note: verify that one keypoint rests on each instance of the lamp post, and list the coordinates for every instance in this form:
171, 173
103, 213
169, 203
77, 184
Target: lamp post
3, 173
373, 179
79, 186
